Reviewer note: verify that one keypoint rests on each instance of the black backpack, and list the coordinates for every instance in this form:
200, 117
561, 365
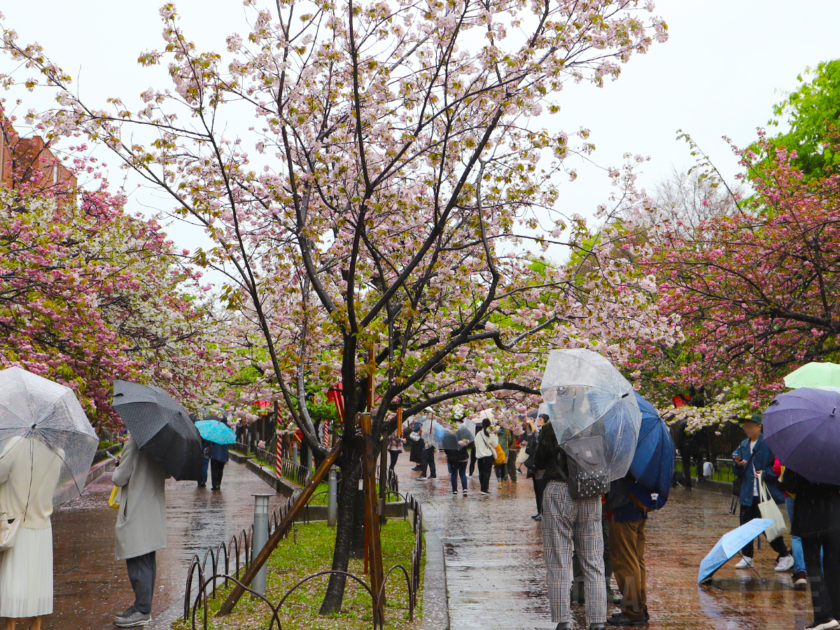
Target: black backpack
588, 475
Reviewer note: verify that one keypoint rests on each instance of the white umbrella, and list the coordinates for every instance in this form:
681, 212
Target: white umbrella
35, 408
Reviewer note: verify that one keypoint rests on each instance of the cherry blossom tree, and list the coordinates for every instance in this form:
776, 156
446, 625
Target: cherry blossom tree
757, 290
389, 195
89, 294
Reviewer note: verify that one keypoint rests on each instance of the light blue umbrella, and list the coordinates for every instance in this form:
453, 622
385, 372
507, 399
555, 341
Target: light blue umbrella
215, 431
730, 544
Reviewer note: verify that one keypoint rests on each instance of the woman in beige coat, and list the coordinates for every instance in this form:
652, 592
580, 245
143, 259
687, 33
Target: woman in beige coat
29, 474
140, 529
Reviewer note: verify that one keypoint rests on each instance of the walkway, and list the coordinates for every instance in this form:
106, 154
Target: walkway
496, 580
90, 586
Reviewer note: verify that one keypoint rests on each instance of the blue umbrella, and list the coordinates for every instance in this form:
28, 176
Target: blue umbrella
214, 431
729, 545
803, 429
654, 460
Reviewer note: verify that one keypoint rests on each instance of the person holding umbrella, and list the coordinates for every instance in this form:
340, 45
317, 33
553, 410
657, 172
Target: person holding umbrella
46, 449
163, 442
454, 445
816, 520
753, 464
802, 428
216, 436
140, 528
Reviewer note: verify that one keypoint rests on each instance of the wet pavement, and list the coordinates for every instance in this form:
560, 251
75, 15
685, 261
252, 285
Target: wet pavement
496, 580
91, 587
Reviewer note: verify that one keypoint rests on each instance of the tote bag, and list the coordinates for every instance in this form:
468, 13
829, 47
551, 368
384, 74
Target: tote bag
770, 510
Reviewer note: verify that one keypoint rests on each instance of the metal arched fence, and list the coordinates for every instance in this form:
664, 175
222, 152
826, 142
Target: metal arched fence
222, 565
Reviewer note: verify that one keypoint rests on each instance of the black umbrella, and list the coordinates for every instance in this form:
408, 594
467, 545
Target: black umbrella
161, 427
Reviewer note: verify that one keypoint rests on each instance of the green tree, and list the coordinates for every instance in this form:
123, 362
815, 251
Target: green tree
813, 113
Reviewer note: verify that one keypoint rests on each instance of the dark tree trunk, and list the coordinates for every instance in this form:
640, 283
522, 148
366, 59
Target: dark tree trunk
347, 498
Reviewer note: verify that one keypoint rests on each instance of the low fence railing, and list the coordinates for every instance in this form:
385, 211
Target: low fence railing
235, 556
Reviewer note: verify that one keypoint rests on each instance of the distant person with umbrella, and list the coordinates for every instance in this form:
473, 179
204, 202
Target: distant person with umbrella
753, 463
216, 437
163, 441
46, 449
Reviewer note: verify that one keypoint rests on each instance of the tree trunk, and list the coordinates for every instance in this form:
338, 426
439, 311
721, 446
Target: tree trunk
347, 497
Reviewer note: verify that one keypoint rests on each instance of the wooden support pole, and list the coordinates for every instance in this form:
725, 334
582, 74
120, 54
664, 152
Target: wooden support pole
282, 528
371, 516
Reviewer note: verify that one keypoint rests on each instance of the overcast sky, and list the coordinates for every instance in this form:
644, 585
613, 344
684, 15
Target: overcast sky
726, 63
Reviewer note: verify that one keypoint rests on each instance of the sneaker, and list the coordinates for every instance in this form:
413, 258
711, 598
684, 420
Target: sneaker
487, 494
455, 492
535, 516
433, 477
422, 478
126, 613
465, 493
564, 625
624, 620
538, 517
134, 620
831, 624
785, 564
613, 599
800, 580
745, 563
417, 469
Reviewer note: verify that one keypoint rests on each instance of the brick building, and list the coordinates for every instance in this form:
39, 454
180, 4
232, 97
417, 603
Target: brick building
22, 158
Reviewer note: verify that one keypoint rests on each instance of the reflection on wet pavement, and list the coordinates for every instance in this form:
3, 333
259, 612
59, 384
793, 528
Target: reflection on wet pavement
496, 580
91, 587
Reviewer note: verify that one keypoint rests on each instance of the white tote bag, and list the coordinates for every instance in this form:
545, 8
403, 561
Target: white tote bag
771, 511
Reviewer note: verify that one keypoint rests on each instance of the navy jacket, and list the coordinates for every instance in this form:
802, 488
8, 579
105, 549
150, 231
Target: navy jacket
762, 461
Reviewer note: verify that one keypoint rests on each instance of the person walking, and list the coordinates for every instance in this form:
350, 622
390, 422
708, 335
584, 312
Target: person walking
504, 441
219, 455
535, 473
417, 445
800, 576
486, 442
753, 464
513, 453
29, 474
456, 460
627, 554
473, 457
205, 463
140, 528
427, 460
816, 520
570, 524
395, 447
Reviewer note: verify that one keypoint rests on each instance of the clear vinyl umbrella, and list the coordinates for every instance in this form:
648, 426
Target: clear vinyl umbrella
32, 409
452, 434
587, 396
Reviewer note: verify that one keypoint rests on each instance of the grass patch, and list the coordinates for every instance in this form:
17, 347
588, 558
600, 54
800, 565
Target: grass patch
291, 562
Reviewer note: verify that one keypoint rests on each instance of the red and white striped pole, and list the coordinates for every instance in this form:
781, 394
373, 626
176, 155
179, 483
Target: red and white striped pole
278, 441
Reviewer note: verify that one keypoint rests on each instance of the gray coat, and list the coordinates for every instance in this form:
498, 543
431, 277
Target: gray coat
141, 519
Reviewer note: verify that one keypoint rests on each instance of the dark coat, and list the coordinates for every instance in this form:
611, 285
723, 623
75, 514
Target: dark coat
762, 461
816, 508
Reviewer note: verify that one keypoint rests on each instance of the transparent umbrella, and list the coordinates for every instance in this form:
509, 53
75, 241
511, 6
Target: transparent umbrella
452, 434
34, 409
587, 396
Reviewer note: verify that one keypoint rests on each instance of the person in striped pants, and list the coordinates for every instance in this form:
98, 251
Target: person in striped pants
568, 525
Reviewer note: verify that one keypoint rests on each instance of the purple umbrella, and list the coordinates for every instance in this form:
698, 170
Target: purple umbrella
803, 429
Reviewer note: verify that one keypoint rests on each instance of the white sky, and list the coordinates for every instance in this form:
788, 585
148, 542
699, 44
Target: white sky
726, 63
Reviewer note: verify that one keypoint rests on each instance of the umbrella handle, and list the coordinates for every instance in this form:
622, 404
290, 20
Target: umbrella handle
758, 575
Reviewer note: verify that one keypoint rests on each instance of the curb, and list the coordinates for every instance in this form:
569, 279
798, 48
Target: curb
435, 600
